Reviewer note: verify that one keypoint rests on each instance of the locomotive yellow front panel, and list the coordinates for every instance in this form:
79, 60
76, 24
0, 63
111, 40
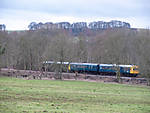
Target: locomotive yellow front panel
134, 70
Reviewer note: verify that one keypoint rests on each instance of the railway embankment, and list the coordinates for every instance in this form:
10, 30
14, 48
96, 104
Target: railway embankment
29, 74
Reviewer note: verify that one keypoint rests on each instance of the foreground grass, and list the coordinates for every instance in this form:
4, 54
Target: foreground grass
17, 95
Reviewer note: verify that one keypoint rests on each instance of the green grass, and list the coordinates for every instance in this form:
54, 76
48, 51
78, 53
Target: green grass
18, 95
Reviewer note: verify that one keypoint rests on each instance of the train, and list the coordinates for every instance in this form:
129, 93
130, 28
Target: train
95, 68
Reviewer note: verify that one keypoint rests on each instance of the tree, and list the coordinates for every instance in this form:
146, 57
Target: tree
33, 26
80, 49
2, 50
2, 27
58, 51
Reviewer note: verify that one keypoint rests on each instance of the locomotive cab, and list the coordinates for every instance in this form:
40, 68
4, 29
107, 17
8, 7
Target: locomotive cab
134, 70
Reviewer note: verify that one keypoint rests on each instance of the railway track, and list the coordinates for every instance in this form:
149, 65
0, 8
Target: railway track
72, 76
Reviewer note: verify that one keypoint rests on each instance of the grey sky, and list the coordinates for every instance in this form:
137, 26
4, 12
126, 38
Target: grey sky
17, 14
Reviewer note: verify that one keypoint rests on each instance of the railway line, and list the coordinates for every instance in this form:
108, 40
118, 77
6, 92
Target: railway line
29, 74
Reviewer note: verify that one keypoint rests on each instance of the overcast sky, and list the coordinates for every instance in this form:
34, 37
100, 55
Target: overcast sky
17, 14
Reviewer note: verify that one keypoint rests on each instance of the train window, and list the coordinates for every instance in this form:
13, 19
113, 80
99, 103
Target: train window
104, 67
107, 67
84, 66
73, 66
78, 66
94, 67
89, 67
126, 68
81, 66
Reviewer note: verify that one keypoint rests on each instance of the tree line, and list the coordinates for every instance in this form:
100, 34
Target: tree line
79, 26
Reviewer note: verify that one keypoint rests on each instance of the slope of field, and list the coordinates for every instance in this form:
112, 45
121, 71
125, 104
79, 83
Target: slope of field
18, 95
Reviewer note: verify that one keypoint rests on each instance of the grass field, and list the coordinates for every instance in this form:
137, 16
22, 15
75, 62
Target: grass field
18, 95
